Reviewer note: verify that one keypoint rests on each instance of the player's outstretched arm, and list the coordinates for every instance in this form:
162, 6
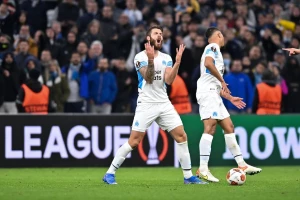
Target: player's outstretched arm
171, 73
209, 64
292, 51
237, 101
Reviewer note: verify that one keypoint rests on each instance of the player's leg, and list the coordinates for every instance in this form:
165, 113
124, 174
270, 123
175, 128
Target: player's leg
133, 141
144, 116
234, 148
169, 120
205, 149
210, 112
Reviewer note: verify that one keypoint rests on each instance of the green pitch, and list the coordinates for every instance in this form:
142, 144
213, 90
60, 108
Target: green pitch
144, 183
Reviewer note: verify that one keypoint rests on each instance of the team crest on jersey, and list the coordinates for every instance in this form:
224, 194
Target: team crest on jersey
214, 49
138, 64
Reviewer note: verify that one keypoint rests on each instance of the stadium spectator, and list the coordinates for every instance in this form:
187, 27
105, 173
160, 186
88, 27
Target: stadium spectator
198, 48
93, 32
291, 73
11, 78
169, 43
88, 63
6, 20
280, 58
77, 75
22, 20
23, 53
51, 43
268, 96
116, 11
46, 58
68, 14
179, 96
271, 43
132, 12
34, 9
186, 66
257, 73
133, 44
102, 88
33, 63
5, 45
58, 85
240, 85
247, 13
124, 83
91, 14
24, 34
233, 45
56, 26
67, 50
109, 28
255, 56
33, 96
95, 51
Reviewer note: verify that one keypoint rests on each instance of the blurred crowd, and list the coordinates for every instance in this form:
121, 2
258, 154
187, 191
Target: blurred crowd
83, 50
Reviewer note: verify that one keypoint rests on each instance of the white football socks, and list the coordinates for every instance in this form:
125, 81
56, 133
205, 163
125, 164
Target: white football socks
234, 148
205, 148
119, 158
184, 159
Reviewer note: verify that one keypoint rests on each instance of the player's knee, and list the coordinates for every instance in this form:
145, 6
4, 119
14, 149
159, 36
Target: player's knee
229, 128
210, 129
135, 139
134, 142
180, 137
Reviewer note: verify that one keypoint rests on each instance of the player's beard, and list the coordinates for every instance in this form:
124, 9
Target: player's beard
153, 43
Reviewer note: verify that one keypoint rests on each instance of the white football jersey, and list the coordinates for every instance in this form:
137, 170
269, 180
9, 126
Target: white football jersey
207, 82
155, 92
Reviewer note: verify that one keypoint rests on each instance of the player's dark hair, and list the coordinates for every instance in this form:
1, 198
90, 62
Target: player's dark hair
210, 31
154, 27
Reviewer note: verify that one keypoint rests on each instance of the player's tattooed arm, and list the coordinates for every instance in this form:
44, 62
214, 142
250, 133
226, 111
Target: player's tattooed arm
150, 71
145, 74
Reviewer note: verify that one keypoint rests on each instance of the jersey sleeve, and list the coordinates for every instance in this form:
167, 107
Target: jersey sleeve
140, 61
169, 62
211, 51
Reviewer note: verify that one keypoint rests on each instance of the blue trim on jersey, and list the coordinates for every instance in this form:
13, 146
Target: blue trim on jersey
170, 63
209, 50
140, 79
143, 64
207, 70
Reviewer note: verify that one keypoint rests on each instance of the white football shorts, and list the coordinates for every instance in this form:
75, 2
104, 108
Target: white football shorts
164, 114
211, 106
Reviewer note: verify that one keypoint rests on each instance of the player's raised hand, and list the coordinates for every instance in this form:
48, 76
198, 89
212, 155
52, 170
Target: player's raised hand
237, 101
179, 52
149, 51
292, 51
225, 88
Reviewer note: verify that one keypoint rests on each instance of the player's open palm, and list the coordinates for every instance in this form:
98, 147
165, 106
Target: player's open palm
237, 101
179, 52
149, 51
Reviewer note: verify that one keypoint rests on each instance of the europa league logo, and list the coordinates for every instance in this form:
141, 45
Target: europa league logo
153, 132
